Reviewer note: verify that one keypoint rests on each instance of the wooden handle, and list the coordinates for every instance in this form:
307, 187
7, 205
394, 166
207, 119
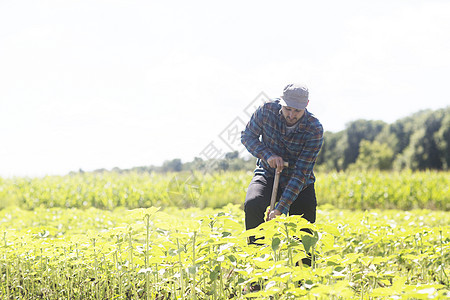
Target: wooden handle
274, 191
275, 187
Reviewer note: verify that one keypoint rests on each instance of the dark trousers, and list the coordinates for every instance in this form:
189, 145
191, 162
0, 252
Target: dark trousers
258, 199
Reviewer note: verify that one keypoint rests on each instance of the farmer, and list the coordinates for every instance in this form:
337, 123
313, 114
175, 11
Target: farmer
289, 133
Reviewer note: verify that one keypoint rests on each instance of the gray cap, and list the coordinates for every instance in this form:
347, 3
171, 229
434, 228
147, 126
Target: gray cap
295, 95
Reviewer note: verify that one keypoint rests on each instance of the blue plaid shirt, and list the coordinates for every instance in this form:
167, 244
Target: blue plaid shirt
299, 148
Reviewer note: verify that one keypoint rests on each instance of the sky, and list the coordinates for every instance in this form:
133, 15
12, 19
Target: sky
92, 84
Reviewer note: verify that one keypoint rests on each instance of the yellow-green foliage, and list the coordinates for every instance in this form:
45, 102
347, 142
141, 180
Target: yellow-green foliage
174, 253
375, 189
354, 190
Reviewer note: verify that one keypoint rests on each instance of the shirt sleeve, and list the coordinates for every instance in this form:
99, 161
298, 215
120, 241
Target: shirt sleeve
250, 136
303, 169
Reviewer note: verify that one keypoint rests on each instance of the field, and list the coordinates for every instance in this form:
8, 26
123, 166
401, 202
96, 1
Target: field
354, 190
72, 238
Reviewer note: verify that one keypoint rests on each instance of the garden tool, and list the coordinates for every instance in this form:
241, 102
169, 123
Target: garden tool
276, 180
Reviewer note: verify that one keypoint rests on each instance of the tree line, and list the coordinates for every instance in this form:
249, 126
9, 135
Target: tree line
418, 142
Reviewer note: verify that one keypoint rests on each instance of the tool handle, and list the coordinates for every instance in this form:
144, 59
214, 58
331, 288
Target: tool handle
275, 187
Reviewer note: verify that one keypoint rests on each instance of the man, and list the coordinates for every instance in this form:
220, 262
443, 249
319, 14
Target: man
289, 133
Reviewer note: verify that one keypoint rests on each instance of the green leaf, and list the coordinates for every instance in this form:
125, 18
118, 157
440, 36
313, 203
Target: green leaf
232, 258
215, 273
327, 242
275, 243
193, 269
299, 256
309, 241
330, 229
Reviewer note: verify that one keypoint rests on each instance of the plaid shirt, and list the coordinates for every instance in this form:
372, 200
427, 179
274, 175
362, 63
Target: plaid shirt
299, 149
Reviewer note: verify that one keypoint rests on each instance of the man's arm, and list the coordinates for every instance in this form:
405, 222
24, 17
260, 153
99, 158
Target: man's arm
303, 168
250, 136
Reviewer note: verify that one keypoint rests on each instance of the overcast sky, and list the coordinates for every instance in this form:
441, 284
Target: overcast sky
102, 84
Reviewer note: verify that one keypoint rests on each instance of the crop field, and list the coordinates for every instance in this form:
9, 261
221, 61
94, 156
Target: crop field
354, 190
172, 253
378, 235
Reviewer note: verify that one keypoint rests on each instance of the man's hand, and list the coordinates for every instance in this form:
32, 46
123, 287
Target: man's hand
277, 162
273, 214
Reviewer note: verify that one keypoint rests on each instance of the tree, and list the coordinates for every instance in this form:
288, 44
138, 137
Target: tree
420, 141
356, 132
425, 150
331, 155
231, 155
373, 155
442, 140
173, 165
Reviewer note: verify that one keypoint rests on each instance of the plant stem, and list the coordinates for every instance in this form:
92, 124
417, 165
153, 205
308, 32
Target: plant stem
147, 238
194, 296
181, 269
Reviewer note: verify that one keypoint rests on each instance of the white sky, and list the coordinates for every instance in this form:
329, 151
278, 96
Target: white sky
102, 84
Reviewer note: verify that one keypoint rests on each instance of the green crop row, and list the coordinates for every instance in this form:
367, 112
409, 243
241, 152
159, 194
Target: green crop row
354, 190
202, 254
385, 190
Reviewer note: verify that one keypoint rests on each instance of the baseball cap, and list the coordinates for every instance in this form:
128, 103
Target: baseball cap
295, 95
